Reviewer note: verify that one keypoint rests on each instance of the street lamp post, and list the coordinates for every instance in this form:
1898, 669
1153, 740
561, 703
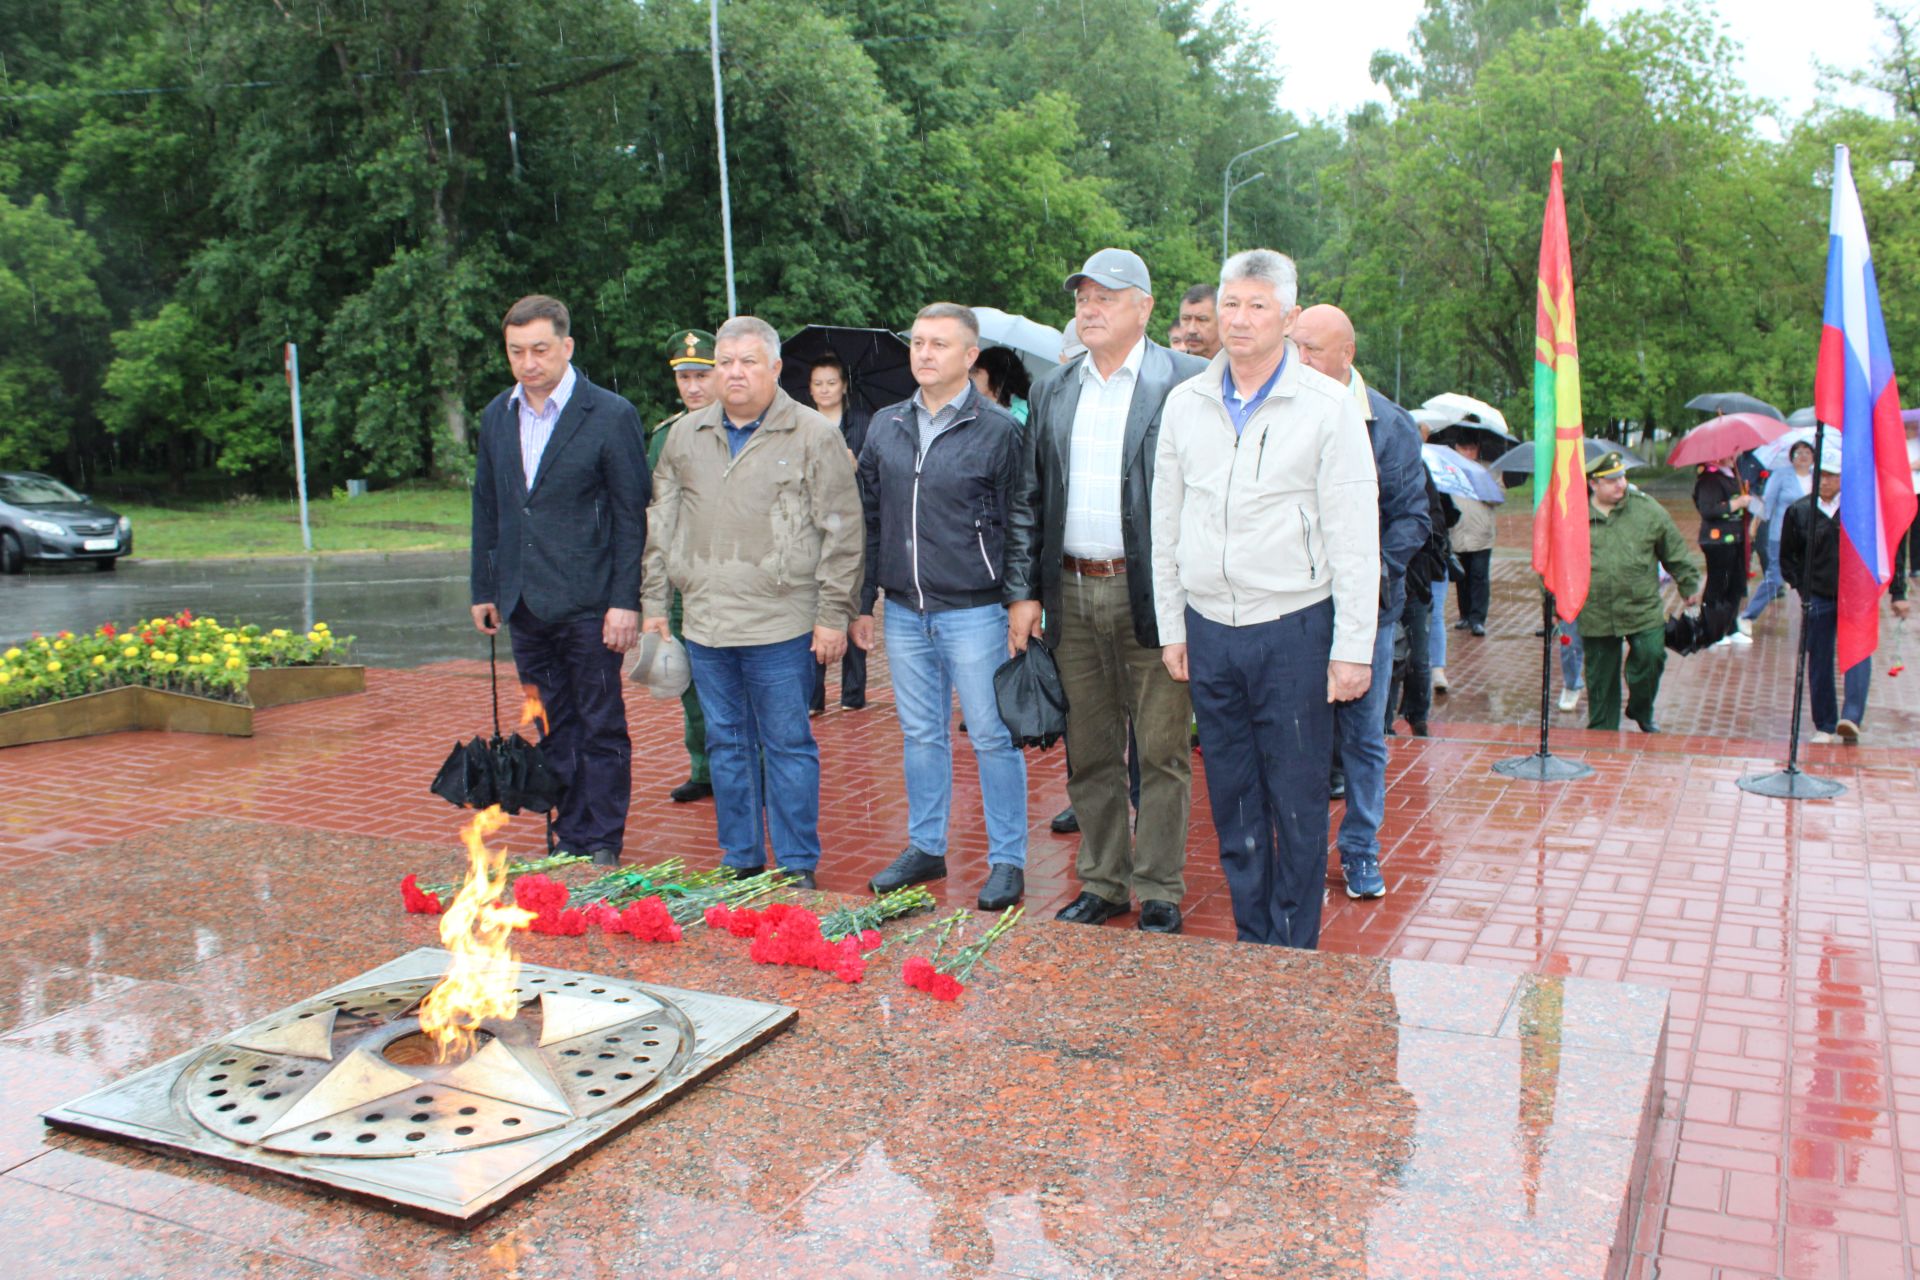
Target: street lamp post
1228, 186
720, 131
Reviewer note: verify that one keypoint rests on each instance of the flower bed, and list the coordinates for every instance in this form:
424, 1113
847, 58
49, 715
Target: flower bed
165, 673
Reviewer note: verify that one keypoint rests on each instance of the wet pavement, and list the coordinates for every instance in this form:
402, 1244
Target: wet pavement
402, 609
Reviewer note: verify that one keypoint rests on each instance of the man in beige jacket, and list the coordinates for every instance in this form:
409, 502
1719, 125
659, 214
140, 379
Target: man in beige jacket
1266, 579
756, 522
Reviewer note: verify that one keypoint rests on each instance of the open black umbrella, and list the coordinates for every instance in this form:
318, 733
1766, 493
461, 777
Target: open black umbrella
1520, 459
1717, 403
510, 772
876, 359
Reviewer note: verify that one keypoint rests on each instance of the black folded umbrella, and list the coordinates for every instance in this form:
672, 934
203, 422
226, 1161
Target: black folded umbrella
1705, 626
506, 771
1033, 702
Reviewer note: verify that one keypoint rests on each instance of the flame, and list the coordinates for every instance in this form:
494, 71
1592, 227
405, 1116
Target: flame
532, 709
482, 984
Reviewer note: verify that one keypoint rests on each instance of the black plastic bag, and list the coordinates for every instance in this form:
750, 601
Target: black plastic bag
1033, 703
1692, 632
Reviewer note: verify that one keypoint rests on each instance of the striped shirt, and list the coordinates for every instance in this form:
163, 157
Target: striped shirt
1094, 464
536, 428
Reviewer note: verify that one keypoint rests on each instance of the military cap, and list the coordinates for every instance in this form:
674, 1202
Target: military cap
1607, 466
690, 347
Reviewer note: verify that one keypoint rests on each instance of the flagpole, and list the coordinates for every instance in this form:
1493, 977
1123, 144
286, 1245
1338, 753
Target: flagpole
1543, 765
1792, 783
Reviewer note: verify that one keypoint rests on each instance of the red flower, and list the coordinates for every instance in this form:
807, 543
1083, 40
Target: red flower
186, 616
917, 972
869, 939
850, 969
650, 921
716, 915
147, 636
107, 629
945, 987
547, 899
417, 901
604, 918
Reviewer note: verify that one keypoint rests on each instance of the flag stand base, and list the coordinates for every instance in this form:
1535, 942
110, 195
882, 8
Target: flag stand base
1542, 766
1791, 784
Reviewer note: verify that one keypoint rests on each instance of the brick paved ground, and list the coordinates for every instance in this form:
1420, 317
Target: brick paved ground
1790, 936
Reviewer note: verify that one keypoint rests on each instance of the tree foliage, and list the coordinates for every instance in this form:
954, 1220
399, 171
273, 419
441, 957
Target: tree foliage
184, 189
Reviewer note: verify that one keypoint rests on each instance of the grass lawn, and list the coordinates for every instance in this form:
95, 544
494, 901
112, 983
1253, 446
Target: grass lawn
412, 519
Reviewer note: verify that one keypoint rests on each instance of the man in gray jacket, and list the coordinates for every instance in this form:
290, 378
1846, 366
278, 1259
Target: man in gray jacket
1266, 575
756, 522
1079, 565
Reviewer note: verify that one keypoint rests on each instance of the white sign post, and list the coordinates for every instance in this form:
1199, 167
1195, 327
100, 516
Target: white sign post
299, 444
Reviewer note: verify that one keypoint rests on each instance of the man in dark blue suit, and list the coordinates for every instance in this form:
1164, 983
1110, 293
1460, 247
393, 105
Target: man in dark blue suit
560, 492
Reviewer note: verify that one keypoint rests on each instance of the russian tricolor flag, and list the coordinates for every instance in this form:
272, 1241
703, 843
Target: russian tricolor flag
1855, 393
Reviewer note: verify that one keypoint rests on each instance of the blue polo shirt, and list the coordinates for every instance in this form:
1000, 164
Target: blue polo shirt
737, 437
1239, 411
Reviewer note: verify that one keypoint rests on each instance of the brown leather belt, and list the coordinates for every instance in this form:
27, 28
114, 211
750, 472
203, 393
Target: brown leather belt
1094, 568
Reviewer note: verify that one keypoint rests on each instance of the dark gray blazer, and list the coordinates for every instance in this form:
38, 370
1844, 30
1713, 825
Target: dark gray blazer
1037, 516
571, 547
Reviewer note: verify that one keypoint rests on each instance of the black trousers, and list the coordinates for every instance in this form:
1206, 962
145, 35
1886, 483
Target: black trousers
853, 680
1472, 596
587, 743
1726, 573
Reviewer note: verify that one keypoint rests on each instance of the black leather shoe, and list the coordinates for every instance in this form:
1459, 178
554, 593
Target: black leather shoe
1478, 629
689, 791
1647, 725
1065, 822
1090, 908
1158, 917
1461, 625
606, 857
742, 873
1337, 785
857, 704
799, 879
913, 866
1419, 728
1006, 885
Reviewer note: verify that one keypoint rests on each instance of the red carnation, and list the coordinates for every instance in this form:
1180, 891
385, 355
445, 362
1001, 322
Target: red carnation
716, 915
869, 939
417, 901
917, 972
604, 918
944, 987
850, 969
650, 921
107, 630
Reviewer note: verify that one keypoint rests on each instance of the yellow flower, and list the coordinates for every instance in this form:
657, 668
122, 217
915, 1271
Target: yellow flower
99, 659
313, 637
53, 666
319, 626
12, 654
59, 644
131, 651
280, 633
234, 664
5, 678
169, 658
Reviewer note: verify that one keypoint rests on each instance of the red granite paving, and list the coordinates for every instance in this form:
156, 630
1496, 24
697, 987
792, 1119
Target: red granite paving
1789, 935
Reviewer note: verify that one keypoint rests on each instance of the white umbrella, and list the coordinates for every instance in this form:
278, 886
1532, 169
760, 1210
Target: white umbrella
1773, 454
1038, 345
1467, 409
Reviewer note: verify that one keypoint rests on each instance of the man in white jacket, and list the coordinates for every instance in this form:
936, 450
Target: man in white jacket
1266, 580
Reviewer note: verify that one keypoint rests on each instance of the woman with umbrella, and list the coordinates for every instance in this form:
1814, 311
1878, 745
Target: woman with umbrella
1721, 498
827, 388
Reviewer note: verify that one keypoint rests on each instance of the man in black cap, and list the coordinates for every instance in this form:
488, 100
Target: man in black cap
1631, 536
690, 356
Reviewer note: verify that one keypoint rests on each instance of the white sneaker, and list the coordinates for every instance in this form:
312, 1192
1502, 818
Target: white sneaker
1820, 739
1726, 641
1439, 679
1739, 637
1569, 699
1745, 626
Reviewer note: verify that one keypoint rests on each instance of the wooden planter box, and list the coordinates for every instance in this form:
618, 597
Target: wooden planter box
277, 686
114, 710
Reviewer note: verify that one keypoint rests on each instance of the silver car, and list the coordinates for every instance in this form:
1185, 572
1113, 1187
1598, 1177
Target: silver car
42, 519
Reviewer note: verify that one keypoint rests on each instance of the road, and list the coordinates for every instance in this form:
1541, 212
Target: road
404, 609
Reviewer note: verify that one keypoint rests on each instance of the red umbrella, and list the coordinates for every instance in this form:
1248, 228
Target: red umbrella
1725, 436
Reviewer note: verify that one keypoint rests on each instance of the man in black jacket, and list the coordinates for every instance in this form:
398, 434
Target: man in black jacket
1810, 563
1080, 566
935, 476
559, 522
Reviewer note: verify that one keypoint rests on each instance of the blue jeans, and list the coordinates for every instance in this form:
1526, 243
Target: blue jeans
933, 655
755, 700
1573, 654
1266, 737
1770, 588
1359, 727
1437, 627
1821, 624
